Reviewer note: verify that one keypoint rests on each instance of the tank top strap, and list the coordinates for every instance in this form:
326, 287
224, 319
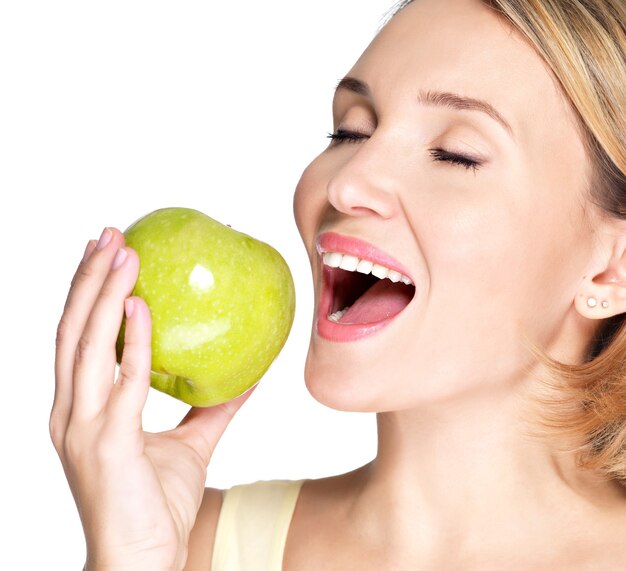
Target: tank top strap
253, 524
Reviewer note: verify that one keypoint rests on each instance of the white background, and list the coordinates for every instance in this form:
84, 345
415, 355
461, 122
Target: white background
110, 110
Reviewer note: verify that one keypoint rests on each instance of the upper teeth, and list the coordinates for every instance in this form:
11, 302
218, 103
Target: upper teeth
352, 263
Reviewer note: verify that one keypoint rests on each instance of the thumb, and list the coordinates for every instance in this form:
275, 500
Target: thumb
202, 428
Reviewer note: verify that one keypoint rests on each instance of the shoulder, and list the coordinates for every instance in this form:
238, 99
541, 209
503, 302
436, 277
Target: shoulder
313, 500
202, 536
262, 498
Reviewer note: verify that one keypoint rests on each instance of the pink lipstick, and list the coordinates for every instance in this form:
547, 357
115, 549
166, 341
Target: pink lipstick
363, 288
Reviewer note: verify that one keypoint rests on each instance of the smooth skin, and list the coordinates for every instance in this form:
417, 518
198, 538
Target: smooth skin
511, 249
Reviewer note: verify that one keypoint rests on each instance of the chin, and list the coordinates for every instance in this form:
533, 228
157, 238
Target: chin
356, 383
359, 378
338, 388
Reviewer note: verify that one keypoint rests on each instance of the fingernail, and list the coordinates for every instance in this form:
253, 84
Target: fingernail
129, 307
105, 238
119, 258
91, 246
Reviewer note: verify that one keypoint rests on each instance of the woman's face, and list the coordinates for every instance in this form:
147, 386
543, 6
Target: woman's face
494, 251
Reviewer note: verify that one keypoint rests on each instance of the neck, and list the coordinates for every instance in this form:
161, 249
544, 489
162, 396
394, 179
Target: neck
471, 470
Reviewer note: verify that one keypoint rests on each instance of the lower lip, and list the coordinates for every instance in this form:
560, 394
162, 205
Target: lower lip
342, 332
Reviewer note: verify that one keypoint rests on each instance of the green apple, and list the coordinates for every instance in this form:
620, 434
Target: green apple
222, 304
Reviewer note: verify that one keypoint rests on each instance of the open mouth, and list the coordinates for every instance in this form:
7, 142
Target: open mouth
362, 292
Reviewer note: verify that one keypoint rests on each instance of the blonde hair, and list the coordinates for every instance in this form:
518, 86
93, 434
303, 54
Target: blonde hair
584, 44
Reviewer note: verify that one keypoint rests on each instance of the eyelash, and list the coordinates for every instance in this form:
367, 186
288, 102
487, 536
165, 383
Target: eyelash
341, 136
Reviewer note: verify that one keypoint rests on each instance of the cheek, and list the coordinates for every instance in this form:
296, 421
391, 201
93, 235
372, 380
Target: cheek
482, 260
471, 248
299, 204
504, 261
309, 201
494, 242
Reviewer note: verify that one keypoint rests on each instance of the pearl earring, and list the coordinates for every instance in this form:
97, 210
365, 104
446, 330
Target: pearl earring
592, 301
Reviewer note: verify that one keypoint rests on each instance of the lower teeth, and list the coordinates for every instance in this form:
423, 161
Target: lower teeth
338, 314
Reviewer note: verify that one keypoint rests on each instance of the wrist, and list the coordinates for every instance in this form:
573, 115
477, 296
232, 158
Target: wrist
143, 566
138, 558
146, 567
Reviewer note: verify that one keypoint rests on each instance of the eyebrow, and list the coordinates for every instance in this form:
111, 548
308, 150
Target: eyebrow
436, 98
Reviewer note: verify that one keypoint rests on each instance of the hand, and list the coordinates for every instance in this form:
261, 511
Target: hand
137, 493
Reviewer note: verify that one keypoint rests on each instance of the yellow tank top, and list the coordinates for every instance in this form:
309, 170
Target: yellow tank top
253, 524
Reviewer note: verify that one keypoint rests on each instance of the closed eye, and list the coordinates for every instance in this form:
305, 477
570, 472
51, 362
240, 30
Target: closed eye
455, 159
343, 136
340, 136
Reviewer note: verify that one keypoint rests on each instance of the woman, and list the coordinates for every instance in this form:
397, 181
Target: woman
479, 160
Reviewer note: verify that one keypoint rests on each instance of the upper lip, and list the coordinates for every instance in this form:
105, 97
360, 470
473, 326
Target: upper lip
334, 242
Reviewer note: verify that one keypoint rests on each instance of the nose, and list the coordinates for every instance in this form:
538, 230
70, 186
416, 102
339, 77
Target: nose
363, 187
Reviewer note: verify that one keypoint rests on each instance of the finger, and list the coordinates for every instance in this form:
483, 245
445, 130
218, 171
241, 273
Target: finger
128, 396
94, 364
202, 428
86, 284
62, 383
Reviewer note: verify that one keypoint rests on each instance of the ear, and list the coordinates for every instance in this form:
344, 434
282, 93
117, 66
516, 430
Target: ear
603, 291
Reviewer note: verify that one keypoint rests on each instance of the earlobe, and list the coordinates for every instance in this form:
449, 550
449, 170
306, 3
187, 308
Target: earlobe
595, 305
604, 295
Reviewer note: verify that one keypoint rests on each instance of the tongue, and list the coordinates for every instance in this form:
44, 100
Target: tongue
383, 300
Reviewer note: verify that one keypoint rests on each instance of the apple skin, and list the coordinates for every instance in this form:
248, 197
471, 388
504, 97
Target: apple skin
222, 304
